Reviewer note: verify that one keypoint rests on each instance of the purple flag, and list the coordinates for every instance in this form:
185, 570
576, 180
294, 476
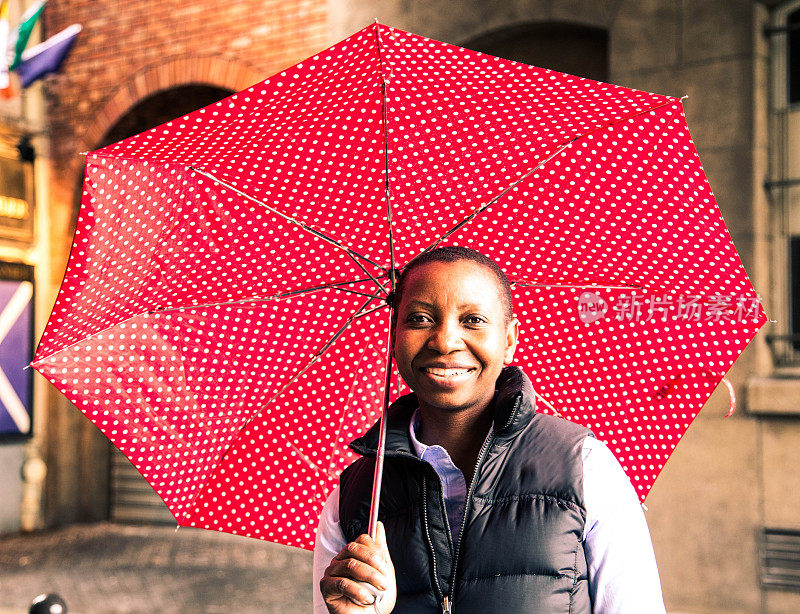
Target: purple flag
46, 57
16, 317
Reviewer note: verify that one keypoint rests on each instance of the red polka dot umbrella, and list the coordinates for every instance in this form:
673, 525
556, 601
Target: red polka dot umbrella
223, 316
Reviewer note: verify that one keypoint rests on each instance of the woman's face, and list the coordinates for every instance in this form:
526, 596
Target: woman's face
451, 339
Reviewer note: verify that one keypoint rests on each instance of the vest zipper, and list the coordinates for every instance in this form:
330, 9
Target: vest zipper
430, 543
447, 603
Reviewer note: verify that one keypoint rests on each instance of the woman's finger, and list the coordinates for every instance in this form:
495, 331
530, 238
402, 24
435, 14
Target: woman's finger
369, 553
357, 570
334, 588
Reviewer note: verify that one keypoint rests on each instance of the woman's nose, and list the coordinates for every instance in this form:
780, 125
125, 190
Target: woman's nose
445, 337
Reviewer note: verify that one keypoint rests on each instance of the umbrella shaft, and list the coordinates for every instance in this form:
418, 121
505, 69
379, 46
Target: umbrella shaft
378, 476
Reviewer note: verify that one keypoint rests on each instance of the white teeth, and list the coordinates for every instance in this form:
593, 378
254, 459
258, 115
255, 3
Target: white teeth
445, 372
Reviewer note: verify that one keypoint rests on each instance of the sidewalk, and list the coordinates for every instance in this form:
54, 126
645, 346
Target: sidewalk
111, 568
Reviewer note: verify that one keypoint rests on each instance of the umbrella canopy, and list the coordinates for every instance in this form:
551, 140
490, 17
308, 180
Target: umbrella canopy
223, 316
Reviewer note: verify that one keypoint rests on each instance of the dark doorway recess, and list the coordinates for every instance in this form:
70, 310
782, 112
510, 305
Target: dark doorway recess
570, 48
163, 107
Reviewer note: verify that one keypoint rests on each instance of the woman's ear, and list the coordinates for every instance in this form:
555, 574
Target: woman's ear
512, 336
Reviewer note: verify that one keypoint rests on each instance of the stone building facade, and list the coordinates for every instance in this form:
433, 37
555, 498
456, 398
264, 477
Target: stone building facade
24, 191
140, 62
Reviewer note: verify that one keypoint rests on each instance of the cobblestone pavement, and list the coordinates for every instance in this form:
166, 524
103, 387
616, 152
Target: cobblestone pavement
111, 568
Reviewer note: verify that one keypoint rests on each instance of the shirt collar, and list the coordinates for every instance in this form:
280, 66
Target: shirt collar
413, 425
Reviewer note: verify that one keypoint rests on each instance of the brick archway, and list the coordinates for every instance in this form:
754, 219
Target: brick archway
173, 72
169, 73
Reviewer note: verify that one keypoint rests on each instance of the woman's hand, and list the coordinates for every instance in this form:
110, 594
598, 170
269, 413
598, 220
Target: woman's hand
363, 561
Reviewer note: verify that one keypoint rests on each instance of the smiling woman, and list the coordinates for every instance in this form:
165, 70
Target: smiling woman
488, 506
454, 332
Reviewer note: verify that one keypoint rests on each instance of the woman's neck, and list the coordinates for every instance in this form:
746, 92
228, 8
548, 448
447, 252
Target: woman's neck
460, 433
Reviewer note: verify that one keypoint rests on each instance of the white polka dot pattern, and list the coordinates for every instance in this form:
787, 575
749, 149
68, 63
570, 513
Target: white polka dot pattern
216, 318
637, 384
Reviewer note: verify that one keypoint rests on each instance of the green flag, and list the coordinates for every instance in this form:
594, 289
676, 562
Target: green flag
19, 38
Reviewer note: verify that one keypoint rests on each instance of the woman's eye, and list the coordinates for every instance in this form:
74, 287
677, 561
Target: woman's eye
474, 320
417, 318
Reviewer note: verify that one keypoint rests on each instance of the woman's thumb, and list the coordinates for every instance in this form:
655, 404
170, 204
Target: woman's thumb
380, 537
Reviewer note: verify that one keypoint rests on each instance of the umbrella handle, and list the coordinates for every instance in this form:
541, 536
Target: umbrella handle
378, 475
376, 480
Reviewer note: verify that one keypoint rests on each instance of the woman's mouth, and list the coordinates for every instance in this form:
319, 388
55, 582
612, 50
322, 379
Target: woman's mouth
441, 372
446, 376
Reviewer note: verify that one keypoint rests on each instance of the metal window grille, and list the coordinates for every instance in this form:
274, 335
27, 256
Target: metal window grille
780, 558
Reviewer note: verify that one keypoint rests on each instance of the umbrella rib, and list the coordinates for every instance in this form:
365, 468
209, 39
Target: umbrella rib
485, 206
374, 296
560, 148
294, 378
373, 310
273, 297
307, 460
253, 300
344, 327
81, 340
526, 284
310, 229
366, 272
385, 124
547, 403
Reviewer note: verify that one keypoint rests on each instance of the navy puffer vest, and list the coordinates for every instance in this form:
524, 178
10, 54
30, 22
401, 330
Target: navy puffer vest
520, 550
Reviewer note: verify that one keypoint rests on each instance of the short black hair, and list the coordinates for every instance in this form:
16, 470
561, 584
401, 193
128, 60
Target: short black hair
455, 253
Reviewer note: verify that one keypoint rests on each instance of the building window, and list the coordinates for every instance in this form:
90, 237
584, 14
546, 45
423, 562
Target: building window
794, 288
783, 184
793, 56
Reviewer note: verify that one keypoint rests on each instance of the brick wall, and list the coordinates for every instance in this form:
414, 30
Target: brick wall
130, 49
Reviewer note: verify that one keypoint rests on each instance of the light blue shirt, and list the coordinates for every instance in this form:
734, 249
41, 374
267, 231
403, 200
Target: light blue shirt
454, 486
623, 577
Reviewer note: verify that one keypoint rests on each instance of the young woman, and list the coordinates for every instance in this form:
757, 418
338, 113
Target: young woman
486, 505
